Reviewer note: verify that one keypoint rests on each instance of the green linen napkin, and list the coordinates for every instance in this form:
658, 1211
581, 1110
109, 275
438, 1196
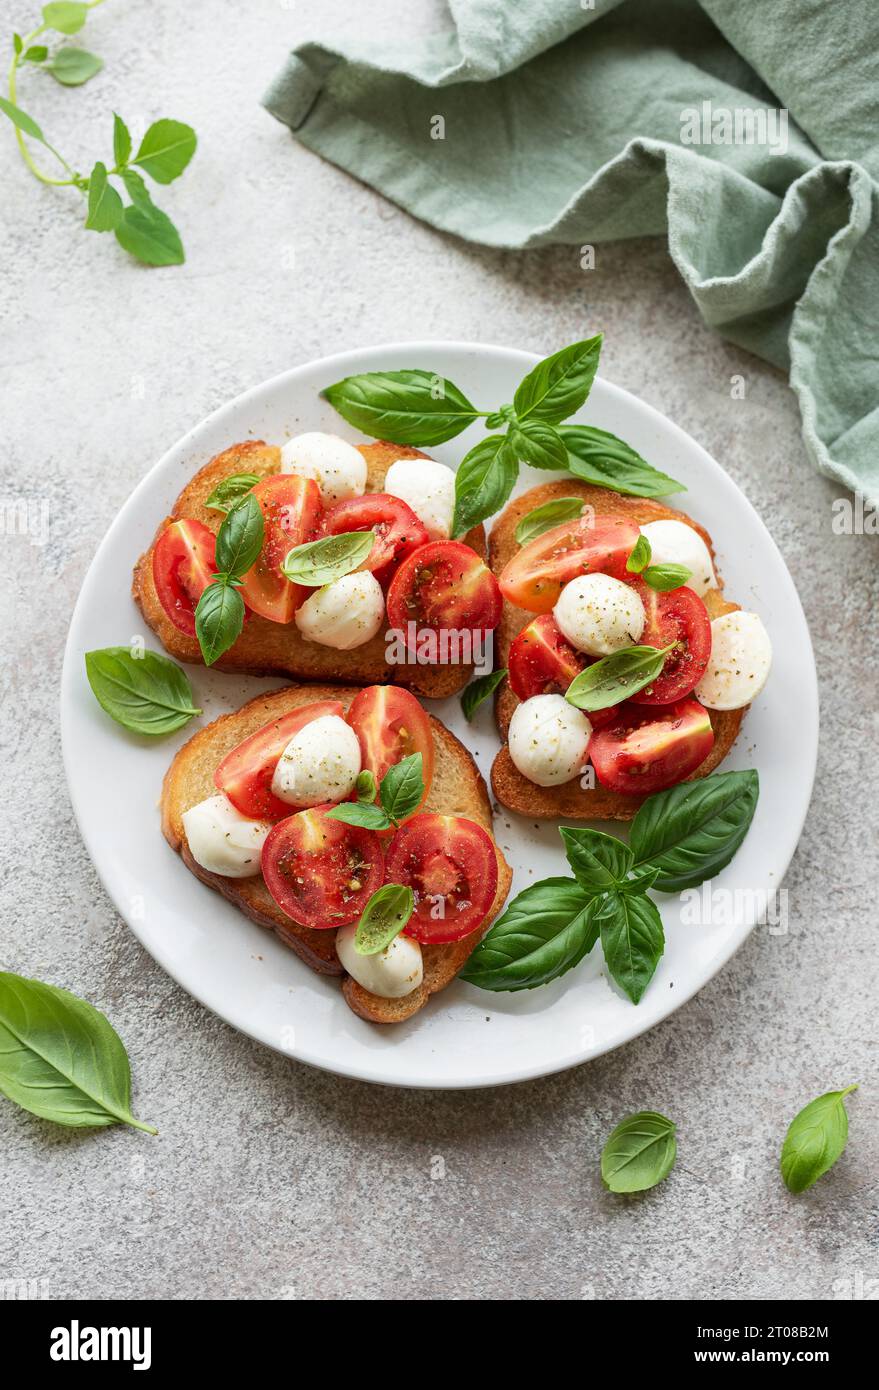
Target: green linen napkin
746, 132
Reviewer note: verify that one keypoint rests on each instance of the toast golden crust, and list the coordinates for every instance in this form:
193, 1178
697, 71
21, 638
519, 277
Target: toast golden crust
457, 789
266, 648
571, 801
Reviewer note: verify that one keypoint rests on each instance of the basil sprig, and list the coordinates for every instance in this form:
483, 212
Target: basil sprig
815, 1139
544, 518
614, 678
316, 563
229, 492
400, 793
219, 614
423, 408
479, 690
639, 1153
679, 838
143, 691
383, 918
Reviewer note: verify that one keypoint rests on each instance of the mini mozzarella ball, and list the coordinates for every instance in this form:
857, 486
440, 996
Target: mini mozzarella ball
548, 740
391, 974
429, 489
599, 615
223, 841
676, 543
343, 614
738, 667
335, 465
320, 763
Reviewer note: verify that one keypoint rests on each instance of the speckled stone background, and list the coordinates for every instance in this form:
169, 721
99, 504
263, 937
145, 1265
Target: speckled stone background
271, 1180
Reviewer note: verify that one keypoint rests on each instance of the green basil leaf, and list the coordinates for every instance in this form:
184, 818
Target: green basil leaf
65, 16
496, 419
384, 917
22, 120
816, 1138
544, 518
632, 939
17, 44
599, 861
559, 385
483, 482
60, 1058
360, 813
639, 880
640, 556
144, 231
148, 693
690, 832
666, 577
136, 189
543, 933
36, 54
539, 444
605, 461
228, 493
219, 618
121, 142
365, 786
317, 563
402, 787
406, 407
240, 538
105, 205
74, 66
614, 678
639, 1153
479, 690
165, 150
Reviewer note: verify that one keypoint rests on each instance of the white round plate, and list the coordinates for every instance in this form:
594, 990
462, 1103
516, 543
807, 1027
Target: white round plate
465, 1037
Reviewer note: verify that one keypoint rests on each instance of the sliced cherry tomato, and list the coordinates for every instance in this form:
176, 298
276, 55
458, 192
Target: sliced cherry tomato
541, 661
245, 774
645, 751
291, 509
320, 872
443, 586
398, 530
451, 866
535, 577
183, 567
679, 616
390, 724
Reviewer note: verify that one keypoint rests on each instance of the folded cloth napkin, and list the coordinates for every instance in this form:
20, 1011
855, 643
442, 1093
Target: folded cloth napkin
747, 132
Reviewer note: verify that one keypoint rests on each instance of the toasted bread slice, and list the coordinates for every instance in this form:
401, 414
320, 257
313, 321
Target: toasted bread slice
266, 648
457, 790
572, 801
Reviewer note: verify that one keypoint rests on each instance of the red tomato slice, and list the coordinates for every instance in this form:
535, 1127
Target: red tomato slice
390, 724
541, 662
398, 530
644, 751
183, 567
320, 872
535, 577
451, 865
245, 774
676, 616
444, 586
291, 508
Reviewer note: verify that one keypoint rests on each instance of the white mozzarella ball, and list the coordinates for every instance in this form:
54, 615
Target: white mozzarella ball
600, 615
548, 739
223, 841
391, 973
320, 763
676, 543
343, 614
738, 667
428, 488
335, 465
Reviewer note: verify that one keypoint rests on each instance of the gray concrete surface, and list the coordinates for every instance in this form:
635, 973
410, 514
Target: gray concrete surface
269, 1179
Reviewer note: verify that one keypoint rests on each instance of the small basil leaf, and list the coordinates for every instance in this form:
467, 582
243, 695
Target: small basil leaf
17, 43
22, 120
360, 813
479, 690
546, 517
543, 933
121, 142
165, 150
147, 694
60, 1058
559, 385
534, 442
639, 880
37, 54
640, 556
137, 189
599, 861
65, 16
74, 66
384, 917
614, 678
605, 461
816, 1138
365, 786
230, 491
240, 538
402, 787
665, 577
406, 407
483, 482
690, 832
639, 1153
105, 205
145, 232
321, 562
632, 939
497, 418
219, 618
